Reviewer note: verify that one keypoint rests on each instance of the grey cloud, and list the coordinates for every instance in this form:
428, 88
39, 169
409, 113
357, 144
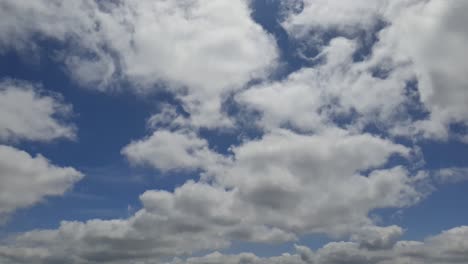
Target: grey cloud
374, 238
283, 174
449, 247
314, 179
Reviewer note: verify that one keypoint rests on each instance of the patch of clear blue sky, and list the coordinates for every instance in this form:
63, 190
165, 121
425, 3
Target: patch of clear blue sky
107, 122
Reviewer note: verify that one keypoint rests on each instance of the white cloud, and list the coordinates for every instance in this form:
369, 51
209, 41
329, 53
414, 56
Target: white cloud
313, 179
411, 44
195, 217
200, 50
166, 150
374, 237
168, 117
431, 35
451, 175
312, 99
284, 173
29, 113
26, 180
325, 15
25, 113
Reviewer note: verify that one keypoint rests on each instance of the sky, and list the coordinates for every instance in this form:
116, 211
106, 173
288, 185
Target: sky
233, 131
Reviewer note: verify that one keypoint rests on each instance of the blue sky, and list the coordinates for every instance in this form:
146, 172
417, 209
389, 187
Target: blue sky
265, 127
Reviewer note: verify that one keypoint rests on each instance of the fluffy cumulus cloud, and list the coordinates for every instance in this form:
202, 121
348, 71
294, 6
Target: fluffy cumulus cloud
337, 92
26, 113
26, 180
415, 36
408, 48
166, 150
201, 50
324, 154
195, 217
310, 178
315, 180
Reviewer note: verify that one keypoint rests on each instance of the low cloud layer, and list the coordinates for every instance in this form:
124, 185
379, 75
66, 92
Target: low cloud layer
314, 180
446, 248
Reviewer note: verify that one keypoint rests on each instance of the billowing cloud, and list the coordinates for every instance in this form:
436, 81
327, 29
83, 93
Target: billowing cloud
166, 150
26, 180
408, 43
26, 113
321, 15
29, 113
315, 98
449, 247
310, 178
415, 37
195, 217
316, 164
314, 180
201, 50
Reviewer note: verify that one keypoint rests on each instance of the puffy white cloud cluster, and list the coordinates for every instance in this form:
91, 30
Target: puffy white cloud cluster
313, 168
316, 180
416, 36
203, 51
312, 99
272, 190
177, 150
26, 180
200, 50
27, 113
